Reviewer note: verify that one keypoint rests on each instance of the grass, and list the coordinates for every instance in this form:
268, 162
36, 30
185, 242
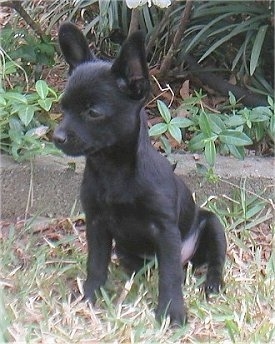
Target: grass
43, 268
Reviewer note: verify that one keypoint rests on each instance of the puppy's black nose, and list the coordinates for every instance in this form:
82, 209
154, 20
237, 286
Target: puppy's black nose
59, 136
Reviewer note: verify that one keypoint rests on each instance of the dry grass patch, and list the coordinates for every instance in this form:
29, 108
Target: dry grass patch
43, 268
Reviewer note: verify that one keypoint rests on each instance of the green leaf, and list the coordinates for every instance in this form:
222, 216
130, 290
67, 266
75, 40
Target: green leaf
248, 123
14, 151
270, 102
15, 136
260, 114
216, 123
204, 124
175, 132
201, 34
236, 138
166, 145
164, 111
15, 124
197, 142
46, 104
232, 99
181, 122
240, 28
26, 114
10, 68
16, 97
211, 138
259, 131
239, 54
158, 129
2, 101
237, 152
256, 49
234, 121
272, 126
42, 88
210, 153
245, 112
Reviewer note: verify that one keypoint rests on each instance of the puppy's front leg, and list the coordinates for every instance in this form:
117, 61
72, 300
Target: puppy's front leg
99, 252
170, 300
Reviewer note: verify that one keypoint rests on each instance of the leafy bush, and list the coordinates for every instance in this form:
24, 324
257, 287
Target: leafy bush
212, 132
24, 46
232, 37
25, 119
238, 36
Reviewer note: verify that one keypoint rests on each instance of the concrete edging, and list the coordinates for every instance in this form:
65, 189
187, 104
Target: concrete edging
50, 187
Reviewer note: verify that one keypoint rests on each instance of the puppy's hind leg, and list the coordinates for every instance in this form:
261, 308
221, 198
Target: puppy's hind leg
211, 250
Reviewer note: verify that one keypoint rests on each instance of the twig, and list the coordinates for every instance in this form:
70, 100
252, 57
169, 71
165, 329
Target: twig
166, 63
30, 193
163, 90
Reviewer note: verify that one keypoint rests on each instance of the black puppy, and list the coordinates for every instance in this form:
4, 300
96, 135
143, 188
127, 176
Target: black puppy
129, 191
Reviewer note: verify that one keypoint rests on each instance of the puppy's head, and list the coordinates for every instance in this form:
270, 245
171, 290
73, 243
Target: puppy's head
102, 100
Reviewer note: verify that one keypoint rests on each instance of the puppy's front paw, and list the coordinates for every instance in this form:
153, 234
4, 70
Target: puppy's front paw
213, 285
89, 292
177, 314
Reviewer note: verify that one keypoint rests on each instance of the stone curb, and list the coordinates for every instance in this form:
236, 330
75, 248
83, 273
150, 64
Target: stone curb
50, 186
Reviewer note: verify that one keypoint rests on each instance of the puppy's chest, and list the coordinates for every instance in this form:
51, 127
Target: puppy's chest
131, 225
107, 189
135, 235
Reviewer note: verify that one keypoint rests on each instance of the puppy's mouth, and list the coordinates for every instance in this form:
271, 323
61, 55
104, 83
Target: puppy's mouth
71, 150
75, 152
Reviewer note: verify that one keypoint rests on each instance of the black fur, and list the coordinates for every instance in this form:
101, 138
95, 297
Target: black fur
129, 191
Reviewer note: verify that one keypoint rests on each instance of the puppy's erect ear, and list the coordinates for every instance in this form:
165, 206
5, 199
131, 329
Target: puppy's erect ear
73, 45
130, 67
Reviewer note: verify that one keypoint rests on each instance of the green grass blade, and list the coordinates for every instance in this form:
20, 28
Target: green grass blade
257, 47
241, 28
197, 39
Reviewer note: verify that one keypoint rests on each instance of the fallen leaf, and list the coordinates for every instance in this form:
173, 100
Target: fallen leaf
184, 90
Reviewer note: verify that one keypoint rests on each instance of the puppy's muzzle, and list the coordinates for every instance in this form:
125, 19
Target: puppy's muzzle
60, 136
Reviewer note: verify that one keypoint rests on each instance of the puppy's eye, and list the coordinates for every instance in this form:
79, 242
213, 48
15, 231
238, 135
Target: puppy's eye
94, 113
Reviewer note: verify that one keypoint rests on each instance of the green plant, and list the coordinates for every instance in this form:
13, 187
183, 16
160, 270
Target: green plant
213, 131
169, 125
22, 45
256, 123
230, 133
244, 209
25, 121
237, 35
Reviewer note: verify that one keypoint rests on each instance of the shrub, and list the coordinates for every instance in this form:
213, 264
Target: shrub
25, 119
